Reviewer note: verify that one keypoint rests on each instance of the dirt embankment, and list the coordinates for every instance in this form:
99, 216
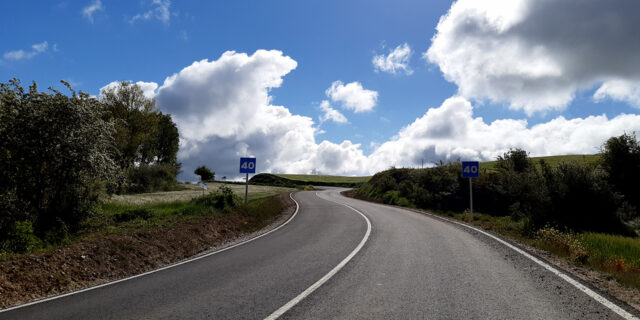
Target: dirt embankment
106, 258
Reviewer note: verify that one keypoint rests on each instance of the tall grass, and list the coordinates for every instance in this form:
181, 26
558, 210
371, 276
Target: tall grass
612, 247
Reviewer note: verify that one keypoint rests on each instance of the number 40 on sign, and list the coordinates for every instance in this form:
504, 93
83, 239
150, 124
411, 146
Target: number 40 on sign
247, 165
470, 169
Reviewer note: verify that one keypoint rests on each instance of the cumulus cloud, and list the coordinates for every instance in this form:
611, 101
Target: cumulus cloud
148, 88
331, 113
352, 96
160, 11
88, 11
536, 54
397, 60
36, 49
620, 90
223, 111
450, 132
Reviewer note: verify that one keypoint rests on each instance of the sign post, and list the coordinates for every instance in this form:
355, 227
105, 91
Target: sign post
247, 165
470, 169
203, 186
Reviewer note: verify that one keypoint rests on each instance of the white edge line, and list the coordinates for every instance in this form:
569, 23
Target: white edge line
160, 269
604, 301
282, 310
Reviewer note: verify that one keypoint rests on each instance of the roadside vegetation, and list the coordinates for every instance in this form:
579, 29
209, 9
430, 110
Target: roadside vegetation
74, 166
582, 208
60, 154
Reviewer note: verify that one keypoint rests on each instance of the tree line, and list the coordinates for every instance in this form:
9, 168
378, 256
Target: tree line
60, 153
598, 197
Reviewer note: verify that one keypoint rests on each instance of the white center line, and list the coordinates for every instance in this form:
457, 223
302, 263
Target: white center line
328, 276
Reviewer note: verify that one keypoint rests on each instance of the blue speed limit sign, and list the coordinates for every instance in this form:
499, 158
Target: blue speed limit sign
470, 169
247, 165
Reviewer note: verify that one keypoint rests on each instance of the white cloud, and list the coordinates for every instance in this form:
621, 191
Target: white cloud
160, 12
148, 88
620, 90
450, 132
535, 55
88, 11
223, 111
352, 96
21, 54
331, 113
395, 61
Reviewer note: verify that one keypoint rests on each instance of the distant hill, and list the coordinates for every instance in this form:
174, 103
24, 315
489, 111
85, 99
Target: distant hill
292, 180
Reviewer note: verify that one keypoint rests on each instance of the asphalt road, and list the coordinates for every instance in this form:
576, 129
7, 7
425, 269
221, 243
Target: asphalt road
412, 266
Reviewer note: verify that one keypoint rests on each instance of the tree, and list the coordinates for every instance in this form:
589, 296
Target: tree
205, 174
515, 159
621, 160
56, 153
146, 139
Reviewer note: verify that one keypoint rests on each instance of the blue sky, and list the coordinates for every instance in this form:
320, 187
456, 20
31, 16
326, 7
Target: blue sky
93, 43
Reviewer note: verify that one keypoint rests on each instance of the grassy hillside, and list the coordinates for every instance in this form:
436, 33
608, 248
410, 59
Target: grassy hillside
192, 190
292, 180
318, 179
551, 160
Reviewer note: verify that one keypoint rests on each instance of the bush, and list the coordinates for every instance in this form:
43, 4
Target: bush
621, 160
571, 195
133, 214
222, 199
21, 238
55, 151
151, 178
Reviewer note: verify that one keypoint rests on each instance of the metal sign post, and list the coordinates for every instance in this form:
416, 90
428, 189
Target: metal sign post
247, 165
471, 196
203, 186
470, 169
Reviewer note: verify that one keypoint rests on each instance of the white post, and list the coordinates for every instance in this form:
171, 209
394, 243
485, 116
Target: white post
246, 190
471, 198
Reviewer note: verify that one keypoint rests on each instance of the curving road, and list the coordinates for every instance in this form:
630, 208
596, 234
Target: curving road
406, 266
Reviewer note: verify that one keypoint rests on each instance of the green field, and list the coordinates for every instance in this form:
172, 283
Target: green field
551, 160
319, 179
192, 191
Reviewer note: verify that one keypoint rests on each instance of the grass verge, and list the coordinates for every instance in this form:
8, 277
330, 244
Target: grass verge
615, 255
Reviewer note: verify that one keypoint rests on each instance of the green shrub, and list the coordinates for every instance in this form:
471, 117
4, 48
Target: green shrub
21, 238
151, 178
621, 160
577, 196
53, 152
222, 199
133, 214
